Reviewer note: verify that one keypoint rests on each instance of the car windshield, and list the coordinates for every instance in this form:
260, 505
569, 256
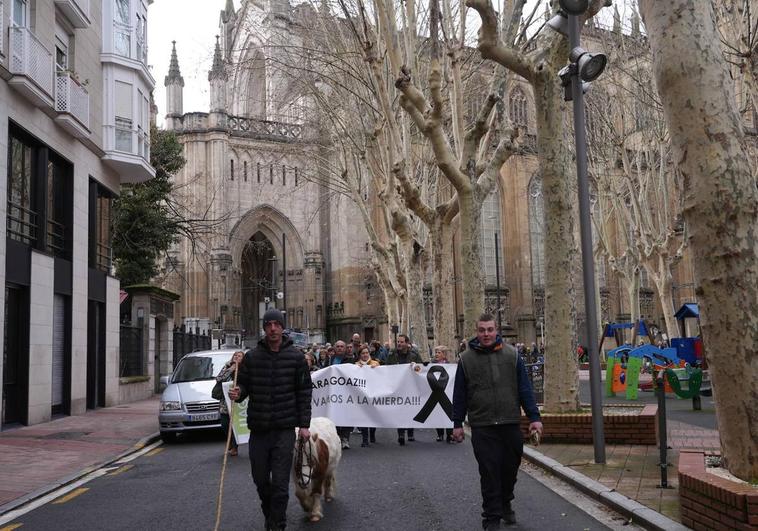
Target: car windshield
196, 368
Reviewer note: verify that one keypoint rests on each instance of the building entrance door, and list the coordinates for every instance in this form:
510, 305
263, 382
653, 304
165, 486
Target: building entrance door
15, 357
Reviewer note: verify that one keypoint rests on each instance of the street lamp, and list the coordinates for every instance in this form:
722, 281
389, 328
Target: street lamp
583, 69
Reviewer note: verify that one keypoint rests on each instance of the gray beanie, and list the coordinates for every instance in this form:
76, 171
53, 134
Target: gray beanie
272, 314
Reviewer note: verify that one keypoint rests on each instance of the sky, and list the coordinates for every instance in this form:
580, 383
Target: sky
193, 24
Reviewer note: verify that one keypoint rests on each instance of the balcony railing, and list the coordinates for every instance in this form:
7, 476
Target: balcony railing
29, 57
22, 223
56, 238
72, 98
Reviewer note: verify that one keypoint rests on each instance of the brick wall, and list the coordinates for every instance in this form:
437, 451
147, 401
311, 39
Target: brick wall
622, 429
712, 502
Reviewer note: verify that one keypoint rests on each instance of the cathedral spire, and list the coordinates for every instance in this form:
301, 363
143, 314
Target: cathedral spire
174, 75
228, 12
217, 70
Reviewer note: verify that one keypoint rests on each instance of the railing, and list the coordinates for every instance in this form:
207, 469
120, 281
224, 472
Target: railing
72, 98
186, 342
28, 57
56, 238
22, 223
253, 127
103, 257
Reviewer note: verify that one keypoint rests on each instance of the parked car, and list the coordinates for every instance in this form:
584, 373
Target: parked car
186, 403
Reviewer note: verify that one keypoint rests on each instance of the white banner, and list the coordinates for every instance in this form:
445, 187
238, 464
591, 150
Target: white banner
238, 416
393, 396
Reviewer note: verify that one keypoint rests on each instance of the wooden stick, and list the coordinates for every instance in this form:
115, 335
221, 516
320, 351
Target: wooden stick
226, 456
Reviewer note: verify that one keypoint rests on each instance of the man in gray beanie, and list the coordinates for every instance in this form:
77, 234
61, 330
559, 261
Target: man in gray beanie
275, 377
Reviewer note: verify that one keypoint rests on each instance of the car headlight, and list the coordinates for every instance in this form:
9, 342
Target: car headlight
171, 406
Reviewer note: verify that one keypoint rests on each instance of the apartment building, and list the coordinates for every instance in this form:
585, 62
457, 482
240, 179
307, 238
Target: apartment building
74, 125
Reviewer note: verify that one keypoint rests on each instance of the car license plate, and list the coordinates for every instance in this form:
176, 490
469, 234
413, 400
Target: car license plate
204, 416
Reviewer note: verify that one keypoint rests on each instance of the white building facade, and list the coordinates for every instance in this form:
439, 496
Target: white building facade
74, 125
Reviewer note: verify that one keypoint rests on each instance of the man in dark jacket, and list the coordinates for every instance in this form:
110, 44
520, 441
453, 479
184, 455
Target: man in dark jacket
275, 377
403, 353
492, 386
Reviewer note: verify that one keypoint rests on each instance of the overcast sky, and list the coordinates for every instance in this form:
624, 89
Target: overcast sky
193, 24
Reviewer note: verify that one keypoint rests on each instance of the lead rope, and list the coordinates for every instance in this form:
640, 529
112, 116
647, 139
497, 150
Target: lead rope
303, 480
226, 455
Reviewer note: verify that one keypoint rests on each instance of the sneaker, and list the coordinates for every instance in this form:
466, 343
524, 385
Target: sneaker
401, 441
345, 444
411, 438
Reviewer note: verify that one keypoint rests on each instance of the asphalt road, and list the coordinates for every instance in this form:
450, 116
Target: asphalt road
423, 486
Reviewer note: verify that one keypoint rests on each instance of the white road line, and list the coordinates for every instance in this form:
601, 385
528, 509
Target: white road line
57, 493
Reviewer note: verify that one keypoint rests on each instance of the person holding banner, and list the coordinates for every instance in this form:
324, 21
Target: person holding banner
226, 374
402, 354
364, 359
442, 355
492, 386
275, 376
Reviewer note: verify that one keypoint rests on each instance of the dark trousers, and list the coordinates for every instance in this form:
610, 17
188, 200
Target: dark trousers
225, 421
271, 464
498, 451
365, 432
401, 432
344, 432
447, 432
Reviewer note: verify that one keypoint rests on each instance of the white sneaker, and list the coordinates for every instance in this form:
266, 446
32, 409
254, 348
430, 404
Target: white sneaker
345, 444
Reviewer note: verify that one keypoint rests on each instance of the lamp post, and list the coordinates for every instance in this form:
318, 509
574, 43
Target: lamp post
497, 285
585, 67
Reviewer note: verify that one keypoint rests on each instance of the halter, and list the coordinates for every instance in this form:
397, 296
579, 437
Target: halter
303, 480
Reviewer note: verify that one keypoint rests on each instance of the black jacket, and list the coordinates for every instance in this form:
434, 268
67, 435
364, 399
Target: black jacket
278, 385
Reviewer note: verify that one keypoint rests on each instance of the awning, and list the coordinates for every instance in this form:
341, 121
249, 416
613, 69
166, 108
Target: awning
687, 310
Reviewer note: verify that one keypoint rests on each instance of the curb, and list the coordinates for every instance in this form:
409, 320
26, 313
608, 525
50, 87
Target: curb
47, 489
635, 511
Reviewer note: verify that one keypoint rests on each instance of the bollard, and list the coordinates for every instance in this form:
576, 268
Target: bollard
661, 392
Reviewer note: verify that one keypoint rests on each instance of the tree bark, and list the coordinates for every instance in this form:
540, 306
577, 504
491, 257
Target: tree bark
561, 255
721, 203
443, 294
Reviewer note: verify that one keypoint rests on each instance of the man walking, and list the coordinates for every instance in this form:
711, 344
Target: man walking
492, 386
403, 354
341, 355
275, 376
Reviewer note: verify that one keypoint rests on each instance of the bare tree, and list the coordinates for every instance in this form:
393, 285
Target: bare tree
720, 209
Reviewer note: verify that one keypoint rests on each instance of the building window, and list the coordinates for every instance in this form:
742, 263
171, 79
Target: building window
122, 39
490, 224
284, 175
271, 173
101, 239
517, 105
59, 207
124, 117
61, 55
231, 170
244, 170
141, 38
19, 16
537, 231
296, 176
258, 171
22, 215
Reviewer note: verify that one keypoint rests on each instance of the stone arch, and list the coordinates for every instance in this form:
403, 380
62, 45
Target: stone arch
272, 223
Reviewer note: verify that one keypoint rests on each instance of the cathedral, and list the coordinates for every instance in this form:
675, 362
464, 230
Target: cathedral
281, 237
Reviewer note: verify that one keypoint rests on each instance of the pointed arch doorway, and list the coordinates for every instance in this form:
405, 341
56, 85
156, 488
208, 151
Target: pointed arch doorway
260, 282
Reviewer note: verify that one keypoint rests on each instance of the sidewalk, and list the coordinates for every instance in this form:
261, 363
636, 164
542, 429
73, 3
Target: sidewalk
630, 470
37, 459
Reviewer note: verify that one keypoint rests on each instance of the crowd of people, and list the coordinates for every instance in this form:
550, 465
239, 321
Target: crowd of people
491, 388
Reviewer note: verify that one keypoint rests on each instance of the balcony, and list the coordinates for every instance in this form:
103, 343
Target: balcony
72, 102
76, 11
127, 150
31, 65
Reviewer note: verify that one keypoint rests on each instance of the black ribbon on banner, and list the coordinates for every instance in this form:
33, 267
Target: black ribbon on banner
438, 396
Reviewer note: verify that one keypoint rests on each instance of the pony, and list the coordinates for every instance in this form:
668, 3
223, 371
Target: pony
313, 466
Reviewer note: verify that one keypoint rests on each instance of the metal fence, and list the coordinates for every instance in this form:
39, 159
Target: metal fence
185, 341
131, 355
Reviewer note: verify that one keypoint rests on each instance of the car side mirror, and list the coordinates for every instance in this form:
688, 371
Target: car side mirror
164, 381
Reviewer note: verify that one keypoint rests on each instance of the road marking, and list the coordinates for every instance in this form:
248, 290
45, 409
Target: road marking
10, 527
71, 495
151, 453
39, 502
121, 470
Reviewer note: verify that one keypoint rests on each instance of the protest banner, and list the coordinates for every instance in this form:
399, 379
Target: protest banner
393, 396
238, 415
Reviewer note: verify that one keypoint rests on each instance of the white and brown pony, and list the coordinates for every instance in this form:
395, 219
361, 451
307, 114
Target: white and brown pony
314, 464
